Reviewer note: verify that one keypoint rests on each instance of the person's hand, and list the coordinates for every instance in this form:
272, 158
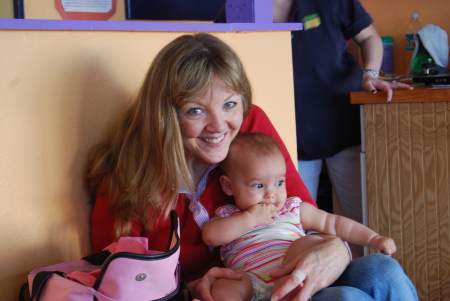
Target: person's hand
262, 214
201, 288
373, 84
322, 264
384, 245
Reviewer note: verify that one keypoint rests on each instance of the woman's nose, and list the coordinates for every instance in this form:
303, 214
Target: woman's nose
216, 122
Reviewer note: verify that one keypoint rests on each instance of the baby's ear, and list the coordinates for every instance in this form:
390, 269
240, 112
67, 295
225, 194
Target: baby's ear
226, 185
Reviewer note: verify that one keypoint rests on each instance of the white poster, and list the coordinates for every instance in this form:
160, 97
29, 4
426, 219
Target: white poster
87, 6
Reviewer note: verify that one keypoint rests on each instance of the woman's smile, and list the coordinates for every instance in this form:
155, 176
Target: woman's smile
214, 140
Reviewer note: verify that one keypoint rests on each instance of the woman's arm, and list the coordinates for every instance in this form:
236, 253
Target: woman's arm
371, 47
322, 264
369, 41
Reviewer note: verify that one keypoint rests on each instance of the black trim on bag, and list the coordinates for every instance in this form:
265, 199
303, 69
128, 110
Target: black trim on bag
144, 257
98, 258
39, 281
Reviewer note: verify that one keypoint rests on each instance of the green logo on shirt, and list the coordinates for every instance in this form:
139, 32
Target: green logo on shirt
311, 21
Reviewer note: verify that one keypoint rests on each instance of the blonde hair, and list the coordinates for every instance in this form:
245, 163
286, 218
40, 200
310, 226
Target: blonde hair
258, 144
141, 164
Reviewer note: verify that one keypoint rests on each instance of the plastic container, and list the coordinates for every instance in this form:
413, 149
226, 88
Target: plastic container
413, 27
421, 57
387, 65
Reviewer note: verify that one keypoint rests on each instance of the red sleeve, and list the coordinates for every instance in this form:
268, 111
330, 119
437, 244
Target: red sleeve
102, 225
257, 121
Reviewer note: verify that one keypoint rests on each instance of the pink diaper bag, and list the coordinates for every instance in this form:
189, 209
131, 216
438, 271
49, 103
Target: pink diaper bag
115, 276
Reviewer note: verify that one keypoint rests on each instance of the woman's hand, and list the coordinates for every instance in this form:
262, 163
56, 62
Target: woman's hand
373, 84
322, 264
201, 288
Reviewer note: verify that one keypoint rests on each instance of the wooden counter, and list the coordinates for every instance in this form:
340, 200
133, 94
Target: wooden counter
419, 94
406, 144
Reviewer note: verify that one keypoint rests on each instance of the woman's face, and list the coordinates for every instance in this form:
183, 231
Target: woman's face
209, 123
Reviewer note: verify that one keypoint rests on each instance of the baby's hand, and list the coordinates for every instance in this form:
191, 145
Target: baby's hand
262, 214
385, 245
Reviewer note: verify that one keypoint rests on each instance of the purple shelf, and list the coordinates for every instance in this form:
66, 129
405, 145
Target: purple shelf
38, 24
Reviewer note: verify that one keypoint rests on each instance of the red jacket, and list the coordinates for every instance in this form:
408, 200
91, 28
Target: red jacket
195, 257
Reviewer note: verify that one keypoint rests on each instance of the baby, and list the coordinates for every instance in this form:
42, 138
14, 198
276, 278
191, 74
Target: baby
261, 231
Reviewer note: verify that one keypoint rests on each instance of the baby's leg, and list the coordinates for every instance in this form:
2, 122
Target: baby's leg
233, 290
296, 248
300, 245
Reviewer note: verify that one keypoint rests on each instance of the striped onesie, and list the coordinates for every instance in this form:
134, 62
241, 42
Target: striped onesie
261, 250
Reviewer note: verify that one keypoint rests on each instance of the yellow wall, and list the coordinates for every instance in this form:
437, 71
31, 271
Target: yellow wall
59, 90
391, 18
6, 9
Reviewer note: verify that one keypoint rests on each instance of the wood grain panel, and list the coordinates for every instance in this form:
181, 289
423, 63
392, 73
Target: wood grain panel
408, 187
417, 192
406, 198
430, 200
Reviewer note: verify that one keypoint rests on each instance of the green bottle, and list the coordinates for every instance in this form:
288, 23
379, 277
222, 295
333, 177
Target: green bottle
422, 56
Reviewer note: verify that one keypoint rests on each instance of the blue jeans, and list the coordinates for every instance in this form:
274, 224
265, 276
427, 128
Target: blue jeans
344, 170
374, 277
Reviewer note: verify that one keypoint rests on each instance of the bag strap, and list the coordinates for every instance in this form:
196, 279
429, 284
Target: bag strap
40, 279
24, 291
174, 235
185, 287
98, 258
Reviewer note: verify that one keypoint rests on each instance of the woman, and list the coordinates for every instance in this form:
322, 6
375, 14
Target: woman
163, 155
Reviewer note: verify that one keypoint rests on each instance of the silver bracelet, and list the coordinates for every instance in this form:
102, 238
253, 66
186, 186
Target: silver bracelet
374, 72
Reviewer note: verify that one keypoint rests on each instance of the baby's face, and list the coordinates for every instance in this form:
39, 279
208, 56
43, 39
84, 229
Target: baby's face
257, 180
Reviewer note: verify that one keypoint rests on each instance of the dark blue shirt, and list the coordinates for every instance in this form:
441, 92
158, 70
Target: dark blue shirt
324, 75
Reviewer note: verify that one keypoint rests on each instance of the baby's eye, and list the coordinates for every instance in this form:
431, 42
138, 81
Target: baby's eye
258, 186
279, 183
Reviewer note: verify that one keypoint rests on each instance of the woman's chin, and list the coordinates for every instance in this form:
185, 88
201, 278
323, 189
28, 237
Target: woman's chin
216, 158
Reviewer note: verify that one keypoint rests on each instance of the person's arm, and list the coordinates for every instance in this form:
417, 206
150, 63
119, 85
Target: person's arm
322, 264
221, 230
371, 47
345, 228
369, 41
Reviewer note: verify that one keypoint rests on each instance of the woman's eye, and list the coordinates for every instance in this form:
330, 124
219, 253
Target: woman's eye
258, 186
194, 111
230, 104
279, 183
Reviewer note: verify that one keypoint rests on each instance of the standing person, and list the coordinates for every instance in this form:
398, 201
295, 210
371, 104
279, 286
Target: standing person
163, 154
328, 126
262, 230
